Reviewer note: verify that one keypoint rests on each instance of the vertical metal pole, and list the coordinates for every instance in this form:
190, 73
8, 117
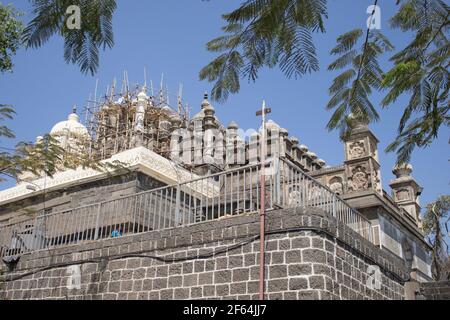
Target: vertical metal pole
262, 204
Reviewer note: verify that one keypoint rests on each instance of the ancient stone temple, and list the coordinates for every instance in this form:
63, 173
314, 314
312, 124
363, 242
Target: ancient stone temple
181, 221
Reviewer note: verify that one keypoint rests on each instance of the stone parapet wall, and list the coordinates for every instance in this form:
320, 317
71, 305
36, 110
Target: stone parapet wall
309, 256
81, 195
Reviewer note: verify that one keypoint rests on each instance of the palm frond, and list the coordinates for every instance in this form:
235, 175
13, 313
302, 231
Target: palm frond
264, 33
420, 70
362, 73
82, 46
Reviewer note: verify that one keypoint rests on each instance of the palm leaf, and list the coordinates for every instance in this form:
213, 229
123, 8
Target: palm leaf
265, 33
82, 46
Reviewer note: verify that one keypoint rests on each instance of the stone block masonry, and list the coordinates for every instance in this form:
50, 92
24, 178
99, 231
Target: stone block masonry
309, 256
434, 291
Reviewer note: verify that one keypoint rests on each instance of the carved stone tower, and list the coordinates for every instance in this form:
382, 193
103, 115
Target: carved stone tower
362, 167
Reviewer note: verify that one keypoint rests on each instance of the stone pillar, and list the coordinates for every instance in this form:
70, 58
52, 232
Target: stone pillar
283, 137
208, 158
235, 147
295, 146
362, 166
139, 118
406, 191
209, 120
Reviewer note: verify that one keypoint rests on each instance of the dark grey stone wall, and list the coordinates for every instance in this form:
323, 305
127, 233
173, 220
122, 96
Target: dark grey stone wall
434, 291
309, 256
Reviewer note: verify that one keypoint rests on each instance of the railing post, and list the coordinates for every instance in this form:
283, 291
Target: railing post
334, 206
41, 227
135, 209
277, 169
34, 236
177, 206
97, 223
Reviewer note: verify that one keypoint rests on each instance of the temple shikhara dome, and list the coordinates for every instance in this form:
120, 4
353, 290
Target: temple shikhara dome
70, 126
70, 133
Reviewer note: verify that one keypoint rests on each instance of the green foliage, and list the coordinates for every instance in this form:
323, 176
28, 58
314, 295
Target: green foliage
436, 223
350, 90
46, 157
10, 33
81, 46
264, 33
421, 70
6, 112
269, 33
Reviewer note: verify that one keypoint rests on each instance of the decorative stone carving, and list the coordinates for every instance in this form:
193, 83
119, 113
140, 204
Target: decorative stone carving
373, 150
403, 170
356, 150
377, 181
359, 179
403, 194
336, 185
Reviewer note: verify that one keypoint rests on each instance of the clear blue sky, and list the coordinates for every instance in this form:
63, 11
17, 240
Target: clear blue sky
169, 37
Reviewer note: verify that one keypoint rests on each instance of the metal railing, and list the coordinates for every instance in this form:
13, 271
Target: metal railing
298, 189
228, 193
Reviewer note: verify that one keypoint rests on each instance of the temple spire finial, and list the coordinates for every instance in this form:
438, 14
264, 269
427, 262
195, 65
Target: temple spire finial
206, 102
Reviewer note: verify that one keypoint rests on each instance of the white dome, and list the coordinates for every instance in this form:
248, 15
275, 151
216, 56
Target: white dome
70, 126
206, 106
70, 132
233, 125
201, 115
